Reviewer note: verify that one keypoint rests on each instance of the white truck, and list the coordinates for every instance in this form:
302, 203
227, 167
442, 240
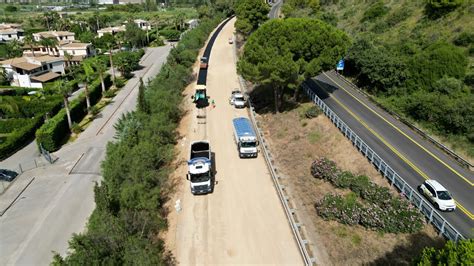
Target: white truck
200, 168
245, 137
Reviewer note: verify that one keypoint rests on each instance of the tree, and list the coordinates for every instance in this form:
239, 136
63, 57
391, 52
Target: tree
30, 42
13, 49
87, 77
134, 36
250, 15
284, 53
127, 62
11, 9
100, 68
460, 253
142, 102
68, 58
64, 88
50, 19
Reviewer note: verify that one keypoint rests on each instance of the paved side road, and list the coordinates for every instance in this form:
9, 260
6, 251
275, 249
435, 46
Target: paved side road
60, 198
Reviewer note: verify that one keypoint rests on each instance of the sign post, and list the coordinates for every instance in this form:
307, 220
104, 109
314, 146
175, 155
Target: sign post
340, 65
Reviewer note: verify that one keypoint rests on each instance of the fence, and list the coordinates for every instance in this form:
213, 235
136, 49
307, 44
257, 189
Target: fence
416, 199
451, 153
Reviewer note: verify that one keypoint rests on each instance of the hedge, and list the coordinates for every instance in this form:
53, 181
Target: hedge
19, 137
9, 125
53, 132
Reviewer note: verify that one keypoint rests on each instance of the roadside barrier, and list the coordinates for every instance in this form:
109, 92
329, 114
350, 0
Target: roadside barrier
444, 227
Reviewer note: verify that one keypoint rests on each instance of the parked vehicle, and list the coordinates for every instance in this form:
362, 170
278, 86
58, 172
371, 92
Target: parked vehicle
231, 41
200, 168
7, 175
203, 64
237, 99
438, 195
245, 137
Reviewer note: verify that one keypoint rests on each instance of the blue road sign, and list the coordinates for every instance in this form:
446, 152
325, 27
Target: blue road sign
340, 65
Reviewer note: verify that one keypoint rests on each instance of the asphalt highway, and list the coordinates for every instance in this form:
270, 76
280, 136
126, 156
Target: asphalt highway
412, 157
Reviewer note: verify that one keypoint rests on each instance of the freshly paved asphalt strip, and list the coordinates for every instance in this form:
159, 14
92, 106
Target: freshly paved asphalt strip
60, 200
412, 157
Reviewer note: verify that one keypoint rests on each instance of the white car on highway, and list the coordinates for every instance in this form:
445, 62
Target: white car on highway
438, 195
237, 99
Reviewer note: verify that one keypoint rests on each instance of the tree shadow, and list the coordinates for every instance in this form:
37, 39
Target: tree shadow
262, 97
405, 254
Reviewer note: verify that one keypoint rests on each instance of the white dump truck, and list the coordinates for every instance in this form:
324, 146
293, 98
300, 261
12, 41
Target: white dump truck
200, 168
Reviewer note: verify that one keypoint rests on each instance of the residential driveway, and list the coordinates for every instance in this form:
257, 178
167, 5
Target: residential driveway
242, 221
59, 199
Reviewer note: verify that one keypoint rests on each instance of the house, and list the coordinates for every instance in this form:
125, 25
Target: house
142, 24
110, 30
108, 2
10, 31
32, 72
192, 23
61, 36
78, 51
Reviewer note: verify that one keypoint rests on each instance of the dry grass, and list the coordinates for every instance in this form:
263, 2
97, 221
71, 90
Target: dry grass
295, 142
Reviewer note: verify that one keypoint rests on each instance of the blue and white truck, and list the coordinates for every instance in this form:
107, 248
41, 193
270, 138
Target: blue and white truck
200, 167
245, 137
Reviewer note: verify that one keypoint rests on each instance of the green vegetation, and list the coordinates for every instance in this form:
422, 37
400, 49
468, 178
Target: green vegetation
460, 253
283, 53
300, 8
20, 116
368, 204
53, 133
124, 228
250, 15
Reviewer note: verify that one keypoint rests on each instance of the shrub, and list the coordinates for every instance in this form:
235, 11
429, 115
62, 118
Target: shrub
120, 82
464, 39
19, 137
376, 208
375, 11
313, 112
170, 34
76, 128
460, 253
325, 169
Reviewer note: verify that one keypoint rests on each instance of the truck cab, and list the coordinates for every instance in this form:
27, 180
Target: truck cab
200, 168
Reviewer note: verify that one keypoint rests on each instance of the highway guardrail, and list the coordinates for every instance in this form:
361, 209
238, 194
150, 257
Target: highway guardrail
444, 227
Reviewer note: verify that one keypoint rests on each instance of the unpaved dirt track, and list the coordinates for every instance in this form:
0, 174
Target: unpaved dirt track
243, 221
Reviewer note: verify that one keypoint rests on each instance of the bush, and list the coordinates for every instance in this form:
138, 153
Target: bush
464, 39
376, 208
19, 137
170, 34
325, 169
313, 112
460, 253
120, 82
76, 128
375, 11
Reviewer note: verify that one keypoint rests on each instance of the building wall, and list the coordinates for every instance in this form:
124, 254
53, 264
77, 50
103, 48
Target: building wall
25, 81
9, 37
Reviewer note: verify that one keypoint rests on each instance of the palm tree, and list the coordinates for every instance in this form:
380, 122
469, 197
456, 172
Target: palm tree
111, 45
86, 78
68, 57
100, 68
30, 42
65, 88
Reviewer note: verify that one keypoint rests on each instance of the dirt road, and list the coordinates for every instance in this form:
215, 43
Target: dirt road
242, 222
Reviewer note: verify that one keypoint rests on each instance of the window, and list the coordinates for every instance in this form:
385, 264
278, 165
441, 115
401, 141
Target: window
9, 35
50, 65
431, 190
45, 67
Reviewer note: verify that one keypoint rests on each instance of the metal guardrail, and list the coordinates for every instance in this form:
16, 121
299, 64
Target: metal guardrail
451, 153
444, 227
284, 199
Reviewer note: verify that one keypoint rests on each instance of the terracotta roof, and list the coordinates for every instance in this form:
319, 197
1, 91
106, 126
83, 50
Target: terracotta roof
26, 66
45, 77
10, 31
111, 29
48, 34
